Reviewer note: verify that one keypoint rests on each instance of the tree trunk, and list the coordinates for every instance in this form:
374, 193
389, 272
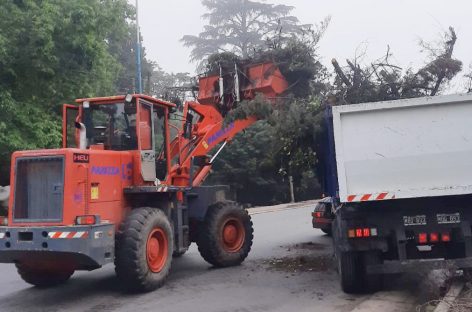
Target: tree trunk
244, 46
340, 73
292, 193
447, 55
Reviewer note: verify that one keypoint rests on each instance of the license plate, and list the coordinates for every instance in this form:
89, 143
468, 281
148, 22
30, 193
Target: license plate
448, 218
414, 220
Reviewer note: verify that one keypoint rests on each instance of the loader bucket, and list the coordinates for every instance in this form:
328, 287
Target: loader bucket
265, 78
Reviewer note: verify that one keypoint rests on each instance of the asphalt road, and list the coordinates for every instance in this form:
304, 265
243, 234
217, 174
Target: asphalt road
289, 269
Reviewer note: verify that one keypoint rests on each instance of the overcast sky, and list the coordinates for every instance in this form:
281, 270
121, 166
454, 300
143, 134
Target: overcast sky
354, 25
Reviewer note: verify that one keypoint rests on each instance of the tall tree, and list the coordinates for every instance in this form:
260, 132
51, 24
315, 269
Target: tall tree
241, 26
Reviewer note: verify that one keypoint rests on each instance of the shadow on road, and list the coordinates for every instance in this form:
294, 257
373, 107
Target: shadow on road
86, 290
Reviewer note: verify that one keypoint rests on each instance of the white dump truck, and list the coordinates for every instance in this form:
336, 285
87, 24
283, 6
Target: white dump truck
400, 177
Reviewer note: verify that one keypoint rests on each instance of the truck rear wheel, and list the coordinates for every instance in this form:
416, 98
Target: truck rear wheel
349, 271
225, 237
43, 277
352, 270
144, 247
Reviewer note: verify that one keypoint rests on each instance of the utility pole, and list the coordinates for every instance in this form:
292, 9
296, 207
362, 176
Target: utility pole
139, 82
292, 193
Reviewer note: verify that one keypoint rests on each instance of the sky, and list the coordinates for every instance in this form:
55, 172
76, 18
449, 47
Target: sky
356, 26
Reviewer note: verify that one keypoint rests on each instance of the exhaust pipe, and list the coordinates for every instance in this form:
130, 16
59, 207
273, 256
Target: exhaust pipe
4, 197
82, 135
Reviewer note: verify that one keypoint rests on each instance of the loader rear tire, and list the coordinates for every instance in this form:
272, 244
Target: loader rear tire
43, 278
225, 237
144, 247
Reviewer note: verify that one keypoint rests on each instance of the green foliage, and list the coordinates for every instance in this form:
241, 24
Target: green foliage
293, 127
298, 127
258, 107
247, 164
60, 49
258, 162
51, 52
33, 127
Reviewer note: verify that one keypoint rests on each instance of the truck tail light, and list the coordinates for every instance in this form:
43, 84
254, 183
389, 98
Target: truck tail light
434, 237
358, 232
362, 232
422, 238
86, 220
445, 237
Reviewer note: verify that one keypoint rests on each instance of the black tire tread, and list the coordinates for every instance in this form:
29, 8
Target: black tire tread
351, 281
207, 239
130, 262
328, 232
43, 278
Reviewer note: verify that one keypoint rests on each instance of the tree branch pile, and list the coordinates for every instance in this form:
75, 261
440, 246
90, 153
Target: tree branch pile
381, 80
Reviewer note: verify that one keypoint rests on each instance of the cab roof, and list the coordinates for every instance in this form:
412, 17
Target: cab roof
122, 98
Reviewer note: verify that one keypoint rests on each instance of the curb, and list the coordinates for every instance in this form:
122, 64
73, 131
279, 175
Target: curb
268, 209
450, 297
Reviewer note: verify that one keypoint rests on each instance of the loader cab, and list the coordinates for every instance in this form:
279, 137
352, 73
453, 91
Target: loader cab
135, 123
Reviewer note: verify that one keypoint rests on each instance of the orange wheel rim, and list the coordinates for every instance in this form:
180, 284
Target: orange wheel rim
156, 250
233, 235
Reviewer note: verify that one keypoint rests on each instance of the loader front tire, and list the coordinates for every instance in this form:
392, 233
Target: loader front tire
43, 278
144, 247
225, 236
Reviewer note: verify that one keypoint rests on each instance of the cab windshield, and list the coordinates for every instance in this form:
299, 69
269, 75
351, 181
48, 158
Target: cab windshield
112, 125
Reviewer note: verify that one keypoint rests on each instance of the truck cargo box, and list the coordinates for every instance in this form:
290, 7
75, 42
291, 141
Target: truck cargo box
404, 149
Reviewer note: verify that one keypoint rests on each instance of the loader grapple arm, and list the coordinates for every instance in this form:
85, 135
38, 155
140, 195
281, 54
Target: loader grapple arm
219, 94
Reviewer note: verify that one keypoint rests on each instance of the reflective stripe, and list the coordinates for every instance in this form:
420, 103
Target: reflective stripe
370, 197
78, 234
67, 235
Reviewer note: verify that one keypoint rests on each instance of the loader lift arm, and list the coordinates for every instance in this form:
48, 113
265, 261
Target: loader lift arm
204, 127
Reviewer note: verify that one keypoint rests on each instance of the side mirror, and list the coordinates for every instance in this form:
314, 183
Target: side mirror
188, 126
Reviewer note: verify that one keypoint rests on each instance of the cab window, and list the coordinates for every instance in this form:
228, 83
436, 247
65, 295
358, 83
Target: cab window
113, 125
160, 141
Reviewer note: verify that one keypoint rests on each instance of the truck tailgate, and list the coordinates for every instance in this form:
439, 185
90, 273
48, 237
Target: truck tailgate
404, 149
